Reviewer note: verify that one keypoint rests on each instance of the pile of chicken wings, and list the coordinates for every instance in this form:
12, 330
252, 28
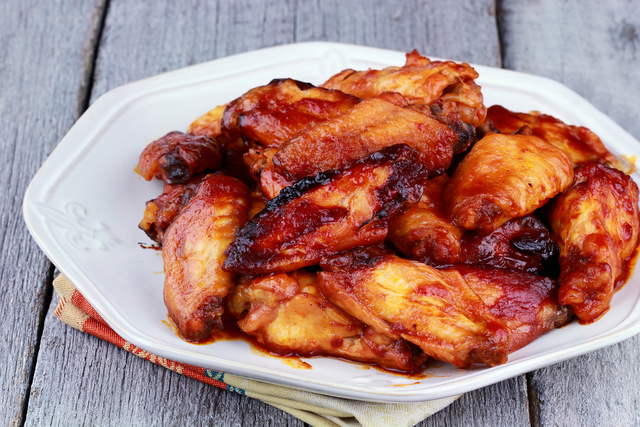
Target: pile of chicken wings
387, 217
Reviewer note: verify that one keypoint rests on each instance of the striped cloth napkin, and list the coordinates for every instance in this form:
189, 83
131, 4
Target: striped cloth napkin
313, 408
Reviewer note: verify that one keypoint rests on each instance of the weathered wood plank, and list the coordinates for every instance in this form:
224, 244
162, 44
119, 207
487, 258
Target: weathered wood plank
44, 48
82, 380
593, 48
438, 29
143, 39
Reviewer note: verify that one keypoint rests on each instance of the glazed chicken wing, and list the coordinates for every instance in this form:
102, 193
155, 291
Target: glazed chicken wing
526, 303
519, 244
274, 113
193, 252
421, 81
366, 128
577, 142
423, 232
288, 314
596, 224
505, 177
329, 213
436, 310
177, 156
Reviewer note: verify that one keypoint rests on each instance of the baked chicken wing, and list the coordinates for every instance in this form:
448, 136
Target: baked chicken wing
520, 244
193, 252
423, 232
332, 212
505, 177
436, 310
526, 303
596, 224
366, 128
177, 156
274, 113
288, 314
421, 81
580, 144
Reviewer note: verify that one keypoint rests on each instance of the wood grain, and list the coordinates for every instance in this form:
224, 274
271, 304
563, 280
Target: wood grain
593, 48
44, 49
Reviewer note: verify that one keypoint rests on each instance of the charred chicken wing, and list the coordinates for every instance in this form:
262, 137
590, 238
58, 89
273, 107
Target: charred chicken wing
193, 252
177, 156
519, 244
505, 177
329, 213
436, 310
288, 314
596, 224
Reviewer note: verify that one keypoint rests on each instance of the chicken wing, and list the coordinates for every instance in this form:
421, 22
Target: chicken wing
526, 303
518, 244
193, 252
260, 162
580, 144
288, 314
423, 232
505, 177
274, 113
160, 212
329, 213
177, 156
368, 127
421, 81
436, 310
596, 224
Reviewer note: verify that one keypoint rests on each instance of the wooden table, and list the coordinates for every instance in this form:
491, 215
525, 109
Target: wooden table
60, 56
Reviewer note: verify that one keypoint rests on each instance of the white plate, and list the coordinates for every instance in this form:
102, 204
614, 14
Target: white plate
84, 205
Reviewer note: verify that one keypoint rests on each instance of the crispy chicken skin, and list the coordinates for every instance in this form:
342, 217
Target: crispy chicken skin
421, 81
193, 252
436, 310
526, 303
423, 232
209, 124
596, 224
577, 142
332, 212
274, 113
505, 177
368, 127
177, 156
288, 314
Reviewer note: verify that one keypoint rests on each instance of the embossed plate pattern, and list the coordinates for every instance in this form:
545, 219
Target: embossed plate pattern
83, 207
